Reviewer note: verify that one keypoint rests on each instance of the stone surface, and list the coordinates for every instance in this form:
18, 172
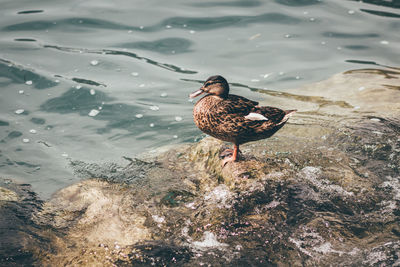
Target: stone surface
325, 190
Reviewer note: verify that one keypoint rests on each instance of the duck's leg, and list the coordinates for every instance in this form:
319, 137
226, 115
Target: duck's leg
229, 152
234, 156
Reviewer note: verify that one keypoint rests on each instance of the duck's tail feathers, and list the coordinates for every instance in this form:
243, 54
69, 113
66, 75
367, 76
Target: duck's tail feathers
288, 114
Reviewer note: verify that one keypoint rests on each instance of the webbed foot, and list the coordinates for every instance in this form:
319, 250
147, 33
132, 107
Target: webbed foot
230, 155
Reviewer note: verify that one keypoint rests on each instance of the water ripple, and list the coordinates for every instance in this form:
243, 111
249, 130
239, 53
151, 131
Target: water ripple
357, 47
350, 35
24, 40
124, 53
30, 11
239, 3
199, 23
209, 23
19, 74
4, 123
89, 82
393, 4
381, 13
298, 2
163, 46
366, 62
64, 24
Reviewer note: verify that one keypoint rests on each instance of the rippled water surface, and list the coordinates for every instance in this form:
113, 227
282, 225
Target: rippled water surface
100, 80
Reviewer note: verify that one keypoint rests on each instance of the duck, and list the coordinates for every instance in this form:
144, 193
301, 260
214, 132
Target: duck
232, 118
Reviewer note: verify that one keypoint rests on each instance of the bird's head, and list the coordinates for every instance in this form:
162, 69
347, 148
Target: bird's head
215, 85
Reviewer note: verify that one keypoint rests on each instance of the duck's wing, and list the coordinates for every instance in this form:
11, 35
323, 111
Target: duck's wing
235, 104
272, 114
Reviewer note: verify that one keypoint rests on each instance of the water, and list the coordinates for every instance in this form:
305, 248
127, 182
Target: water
99, 80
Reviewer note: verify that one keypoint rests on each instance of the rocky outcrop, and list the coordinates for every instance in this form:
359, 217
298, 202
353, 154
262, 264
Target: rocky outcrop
323, 191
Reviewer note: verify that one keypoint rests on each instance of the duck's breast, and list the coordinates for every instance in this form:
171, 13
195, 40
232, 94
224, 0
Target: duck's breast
203, 114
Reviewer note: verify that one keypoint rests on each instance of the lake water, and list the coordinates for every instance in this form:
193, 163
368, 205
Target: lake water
101, 80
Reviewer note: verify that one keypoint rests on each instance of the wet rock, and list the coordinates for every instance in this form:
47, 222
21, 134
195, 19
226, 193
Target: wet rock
21, 242
325, 190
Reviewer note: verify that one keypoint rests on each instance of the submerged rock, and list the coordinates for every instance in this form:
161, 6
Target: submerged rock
324, 191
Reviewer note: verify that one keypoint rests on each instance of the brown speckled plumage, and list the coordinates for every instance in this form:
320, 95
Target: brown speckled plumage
222, 115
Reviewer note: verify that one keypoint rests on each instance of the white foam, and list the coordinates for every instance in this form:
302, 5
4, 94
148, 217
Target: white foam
209, 241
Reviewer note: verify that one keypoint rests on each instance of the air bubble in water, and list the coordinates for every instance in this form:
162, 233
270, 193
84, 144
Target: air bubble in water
178, 118
139, 116
154, 108
93, 112
94, 62
92, 91
19, 111
28, 82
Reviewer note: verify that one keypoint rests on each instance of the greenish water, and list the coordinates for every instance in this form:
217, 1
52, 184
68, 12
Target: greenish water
99, 80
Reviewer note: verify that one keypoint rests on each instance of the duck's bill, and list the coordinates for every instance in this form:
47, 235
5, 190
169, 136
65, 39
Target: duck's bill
196, 93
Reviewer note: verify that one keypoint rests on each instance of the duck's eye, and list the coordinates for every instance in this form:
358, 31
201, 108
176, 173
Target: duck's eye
211, 83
